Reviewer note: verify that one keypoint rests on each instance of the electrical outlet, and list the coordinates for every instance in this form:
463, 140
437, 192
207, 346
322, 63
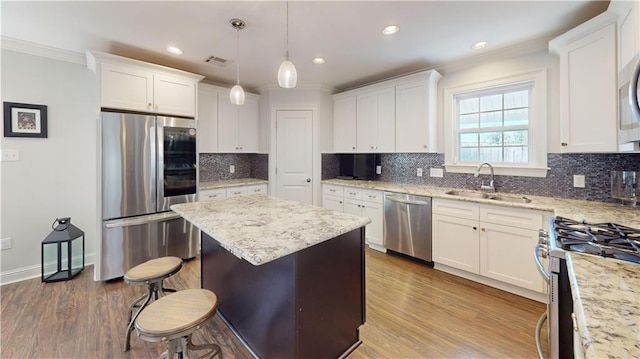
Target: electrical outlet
436, 172
578, 181
232, 169
10, 155
5, 243
419, 172
378, 170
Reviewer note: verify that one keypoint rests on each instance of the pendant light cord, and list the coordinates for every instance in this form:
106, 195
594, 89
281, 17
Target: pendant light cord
237, 56
287, 29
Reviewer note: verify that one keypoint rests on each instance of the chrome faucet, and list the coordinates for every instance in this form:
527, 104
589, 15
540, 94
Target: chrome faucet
490, 187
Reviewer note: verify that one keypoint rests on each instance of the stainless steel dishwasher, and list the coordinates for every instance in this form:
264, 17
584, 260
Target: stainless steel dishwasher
407, 225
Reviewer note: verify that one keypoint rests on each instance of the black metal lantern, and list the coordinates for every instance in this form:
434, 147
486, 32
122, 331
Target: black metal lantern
62, 251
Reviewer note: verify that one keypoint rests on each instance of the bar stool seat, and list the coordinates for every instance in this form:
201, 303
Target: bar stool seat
175, 317
150, 273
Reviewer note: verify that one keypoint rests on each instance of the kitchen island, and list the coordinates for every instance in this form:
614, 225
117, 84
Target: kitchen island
289, 277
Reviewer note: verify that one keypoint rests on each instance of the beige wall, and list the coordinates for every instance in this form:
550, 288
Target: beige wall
55, 176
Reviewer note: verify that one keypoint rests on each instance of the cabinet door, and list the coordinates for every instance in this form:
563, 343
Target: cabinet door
207, 120
344, 124
628, 34
412, 117
236, 192
352, 206
126, 88
588, 93
174, 95
212, 194
375, 120
506, 255
332, 202
455, 243
373, 230
228, 118
248, 127
257, 189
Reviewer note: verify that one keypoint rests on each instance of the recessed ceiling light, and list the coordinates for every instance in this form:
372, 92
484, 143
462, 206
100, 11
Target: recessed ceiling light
479, 45
174, 50
390, 30
318, 60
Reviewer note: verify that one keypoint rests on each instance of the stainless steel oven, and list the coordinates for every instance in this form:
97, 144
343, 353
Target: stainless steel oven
564, 235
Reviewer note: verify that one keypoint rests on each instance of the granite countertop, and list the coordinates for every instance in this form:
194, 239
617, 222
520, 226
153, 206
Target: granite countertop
231, 183
260, 229
606, 303
590, 211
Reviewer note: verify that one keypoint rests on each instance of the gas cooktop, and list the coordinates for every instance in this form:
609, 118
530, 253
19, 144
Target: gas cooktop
603, 239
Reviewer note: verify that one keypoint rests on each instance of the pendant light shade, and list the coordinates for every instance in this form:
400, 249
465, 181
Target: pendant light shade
237, 93
287, 74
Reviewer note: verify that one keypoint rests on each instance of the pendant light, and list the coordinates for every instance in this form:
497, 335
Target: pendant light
287, 74
237, 93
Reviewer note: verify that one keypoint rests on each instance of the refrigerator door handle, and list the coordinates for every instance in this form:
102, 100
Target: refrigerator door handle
127, 222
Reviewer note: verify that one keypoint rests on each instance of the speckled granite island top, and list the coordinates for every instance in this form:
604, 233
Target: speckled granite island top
590, 211
260, 229
606, 302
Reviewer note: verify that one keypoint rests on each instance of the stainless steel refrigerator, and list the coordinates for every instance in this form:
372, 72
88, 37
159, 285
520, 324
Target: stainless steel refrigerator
148, 164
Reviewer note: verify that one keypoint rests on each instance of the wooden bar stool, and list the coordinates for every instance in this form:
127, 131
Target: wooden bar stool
174, 318
150, 273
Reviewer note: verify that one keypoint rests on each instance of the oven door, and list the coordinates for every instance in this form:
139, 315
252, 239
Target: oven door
177, 161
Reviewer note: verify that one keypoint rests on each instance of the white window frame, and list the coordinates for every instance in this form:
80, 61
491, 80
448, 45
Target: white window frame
537, 165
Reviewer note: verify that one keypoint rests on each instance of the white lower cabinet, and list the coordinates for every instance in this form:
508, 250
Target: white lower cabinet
229, 192
491, 241
359, 202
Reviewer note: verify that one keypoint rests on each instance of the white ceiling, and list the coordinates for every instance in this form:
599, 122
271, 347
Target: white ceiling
346, 33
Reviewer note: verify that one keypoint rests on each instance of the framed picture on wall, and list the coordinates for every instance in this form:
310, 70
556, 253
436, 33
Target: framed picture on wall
25, 120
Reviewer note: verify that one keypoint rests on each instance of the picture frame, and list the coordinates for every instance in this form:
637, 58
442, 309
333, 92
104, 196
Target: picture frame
25, 120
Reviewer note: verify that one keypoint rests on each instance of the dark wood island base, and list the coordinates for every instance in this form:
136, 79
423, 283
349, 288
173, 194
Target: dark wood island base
308, 304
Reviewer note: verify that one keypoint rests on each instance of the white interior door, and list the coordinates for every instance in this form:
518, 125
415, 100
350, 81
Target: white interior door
294, 157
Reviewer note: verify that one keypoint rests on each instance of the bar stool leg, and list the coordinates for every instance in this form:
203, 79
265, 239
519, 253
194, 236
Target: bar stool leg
214, 349
151, 291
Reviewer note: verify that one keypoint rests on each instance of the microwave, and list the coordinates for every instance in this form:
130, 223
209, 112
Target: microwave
629, 106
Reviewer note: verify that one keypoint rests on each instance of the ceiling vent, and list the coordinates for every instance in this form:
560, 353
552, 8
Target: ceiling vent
219, 61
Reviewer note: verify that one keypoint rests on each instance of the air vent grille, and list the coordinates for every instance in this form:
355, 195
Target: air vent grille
216, 61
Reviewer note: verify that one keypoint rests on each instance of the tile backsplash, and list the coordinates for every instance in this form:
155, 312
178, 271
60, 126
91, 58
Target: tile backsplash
401, 168
215, 166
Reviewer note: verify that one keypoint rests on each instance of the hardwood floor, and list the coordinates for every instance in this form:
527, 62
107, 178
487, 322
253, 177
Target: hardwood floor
413, 311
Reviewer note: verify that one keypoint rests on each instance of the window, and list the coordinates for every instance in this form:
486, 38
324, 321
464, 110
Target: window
493, 126
502, 122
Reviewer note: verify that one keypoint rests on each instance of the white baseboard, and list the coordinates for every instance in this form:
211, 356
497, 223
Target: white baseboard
35, 271
527, 293
377, 247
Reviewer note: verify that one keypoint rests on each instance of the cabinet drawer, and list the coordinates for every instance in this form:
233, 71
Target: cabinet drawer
454, 208
371, 196
353, 193
332, 190
257, 189
236, 191
212, 194
514, 217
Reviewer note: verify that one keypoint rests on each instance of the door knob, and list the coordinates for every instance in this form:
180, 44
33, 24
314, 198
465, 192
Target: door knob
308, 180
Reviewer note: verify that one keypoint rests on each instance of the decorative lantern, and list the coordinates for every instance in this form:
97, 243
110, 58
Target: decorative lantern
62, 251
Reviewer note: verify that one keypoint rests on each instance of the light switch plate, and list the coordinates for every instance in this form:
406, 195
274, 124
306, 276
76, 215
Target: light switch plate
10, 155
578, 181
436, 172
5, 243
419, 172
378, 170
232, 169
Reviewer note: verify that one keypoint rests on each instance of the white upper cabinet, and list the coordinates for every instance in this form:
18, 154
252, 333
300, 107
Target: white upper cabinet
344, 124
128, 84
238, 125
628, 31
416, 113
375, 121
588, 90
397, 115
207, 119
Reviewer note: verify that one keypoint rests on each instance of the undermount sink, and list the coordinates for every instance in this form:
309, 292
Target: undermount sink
468, 194
491, 196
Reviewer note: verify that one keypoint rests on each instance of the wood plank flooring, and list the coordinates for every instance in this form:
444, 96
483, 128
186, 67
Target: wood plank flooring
412, 312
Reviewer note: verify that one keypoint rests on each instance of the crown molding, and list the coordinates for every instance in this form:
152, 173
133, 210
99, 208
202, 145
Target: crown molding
31, 48
304, 87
